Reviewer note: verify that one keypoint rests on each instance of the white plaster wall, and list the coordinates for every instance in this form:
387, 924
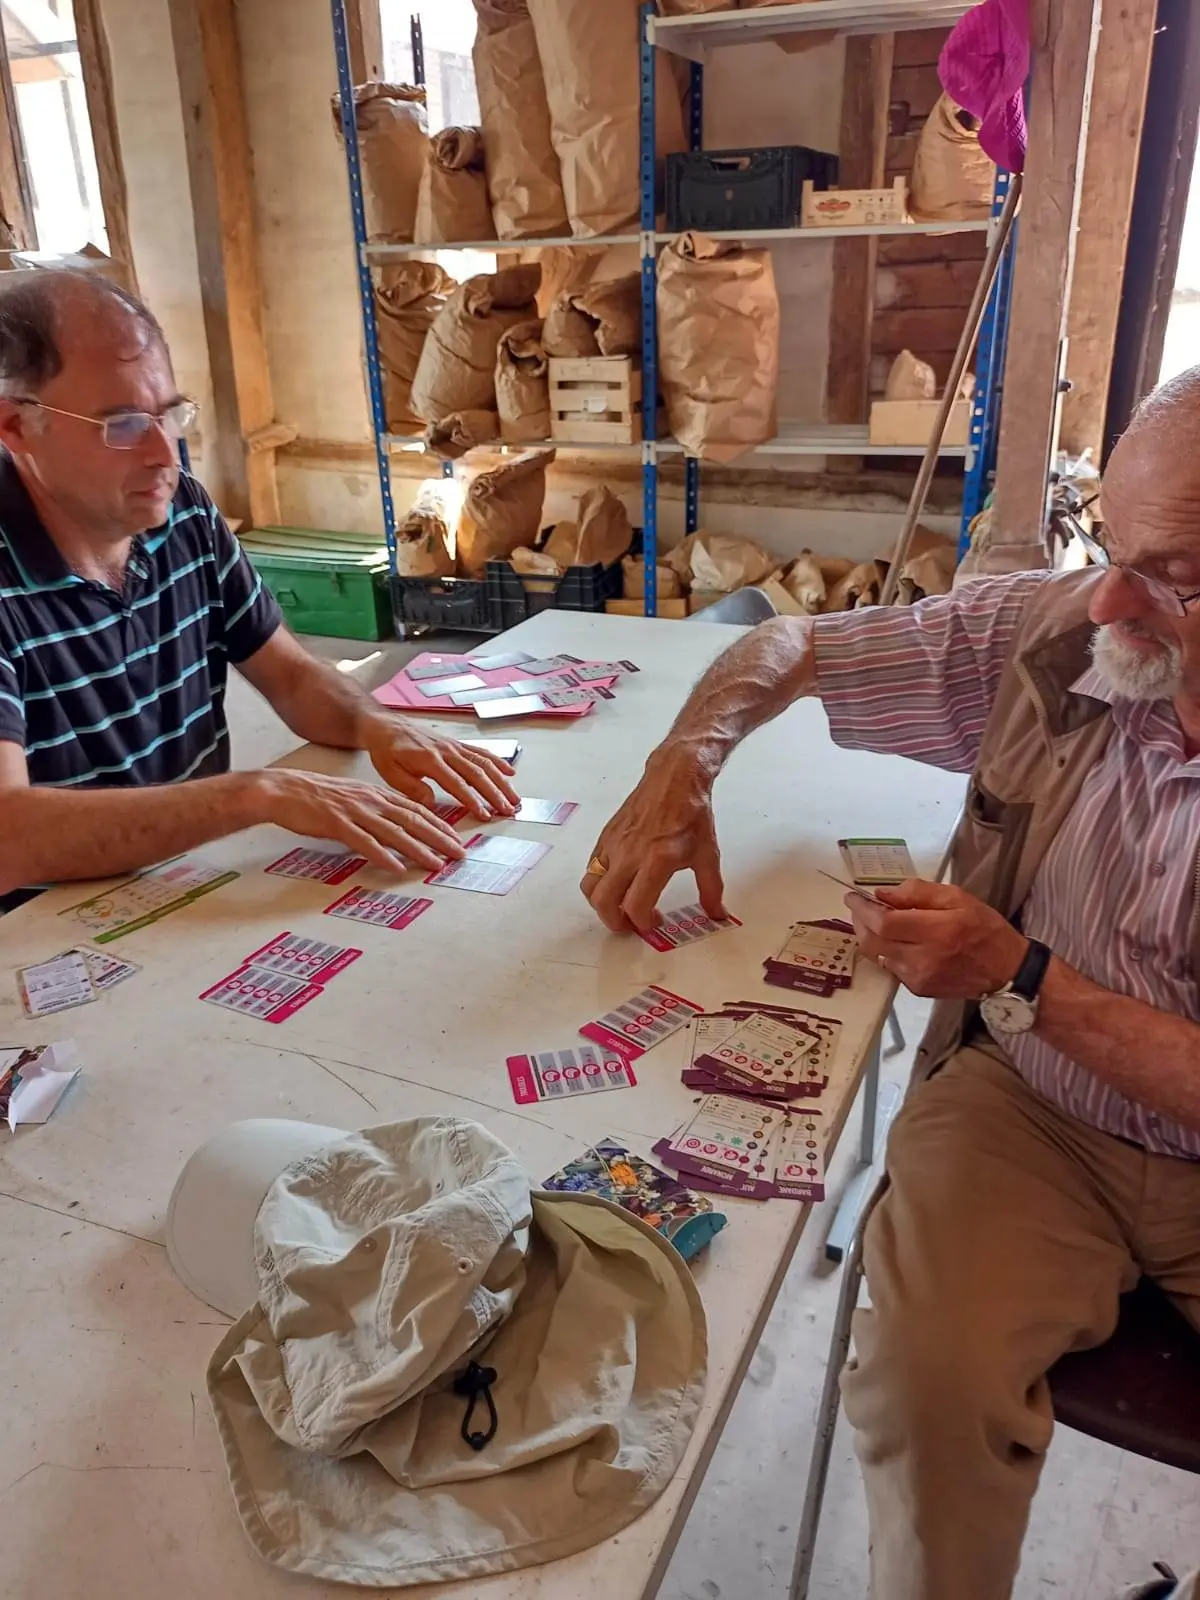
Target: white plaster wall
150, 125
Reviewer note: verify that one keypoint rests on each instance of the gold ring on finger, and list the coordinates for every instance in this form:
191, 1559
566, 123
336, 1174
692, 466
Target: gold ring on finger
596, 868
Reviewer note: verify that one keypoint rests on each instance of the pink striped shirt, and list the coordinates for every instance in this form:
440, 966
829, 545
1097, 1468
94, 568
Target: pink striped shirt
1116, 892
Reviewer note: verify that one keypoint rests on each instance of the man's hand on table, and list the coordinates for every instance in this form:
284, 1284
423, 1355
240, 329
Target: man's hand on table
666, 826
410, 758
938, 940
393, 832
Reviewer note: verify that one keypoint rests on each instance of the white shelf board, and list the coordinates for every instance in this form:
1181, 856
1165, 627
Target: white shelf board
793, 439
694, 35
874, 230
399, 252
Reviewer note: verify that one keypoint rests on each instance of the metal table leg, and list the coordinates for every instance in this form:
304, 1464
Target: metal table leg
878, 1112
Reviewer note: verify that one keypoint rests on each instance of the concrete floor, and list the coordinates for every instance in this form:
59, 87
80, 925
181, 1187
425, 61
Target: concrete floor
1101, 1518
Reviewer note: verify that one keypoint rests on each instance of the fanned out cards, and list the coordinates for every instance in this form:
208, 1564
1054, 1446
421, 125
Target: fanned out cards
743, 1148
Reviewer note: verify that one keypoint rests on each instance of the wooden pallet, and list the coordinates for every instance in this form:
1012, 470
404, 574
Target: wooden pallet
595, 400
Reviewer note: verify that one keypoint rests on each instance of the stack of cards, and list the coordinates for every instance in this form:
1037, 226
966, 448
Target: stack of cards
493, 864
683, 1216
685, 926
638, 1024
769, 1053
285, 974
74, 978
736, 1147
495, 684
817, 957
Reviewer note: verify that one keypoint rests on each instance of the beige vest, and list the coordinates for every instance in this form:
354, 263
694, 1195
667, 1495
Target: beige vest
1040, 742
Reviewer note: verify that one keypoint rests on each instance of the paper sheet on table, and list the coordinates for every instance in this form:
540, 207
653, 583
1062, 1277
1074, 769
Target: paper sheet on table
34, 1079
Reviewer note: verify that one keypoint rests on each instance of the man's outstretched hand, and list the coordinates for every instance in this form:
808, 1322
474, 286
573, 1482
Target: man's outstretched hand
666, 826
411, 758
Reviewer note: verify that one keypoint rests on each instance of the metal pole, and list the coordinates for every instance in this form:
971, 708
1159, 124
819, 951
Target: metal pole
958, 366
646, 167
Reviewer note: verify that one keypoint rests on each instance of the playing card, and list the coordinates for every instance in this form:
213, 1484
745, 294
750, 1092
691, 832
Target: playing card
877, 860
448, 686
685, 925
800, 1156
615, 1173
763, 1051
493, 865
297, 957
471, 697
255, 992
450, 811
554, 680
382, 907
521, 705
326, 866
439, 667
55, 985
592, 670
505, 851
637, 1025
104, 970
494, 663
551, 812
537, 669
561, 1074
729, 1141
567, 699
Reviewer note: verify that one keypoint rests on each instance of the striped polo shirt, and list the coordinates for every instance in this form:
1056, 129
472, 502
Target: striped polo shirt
126, 688
1116, 891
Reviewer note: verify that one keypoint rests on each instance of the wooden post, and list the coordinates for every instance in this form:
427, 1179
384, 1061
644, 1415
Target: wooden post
862, 157
1063, 35
1109, 176
220, 172
96, 69
364, 32
16, 202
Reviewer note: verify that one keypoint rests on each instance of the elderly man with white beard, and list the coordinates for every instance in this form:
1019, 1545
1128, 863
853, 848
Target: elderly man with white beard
1050, 1152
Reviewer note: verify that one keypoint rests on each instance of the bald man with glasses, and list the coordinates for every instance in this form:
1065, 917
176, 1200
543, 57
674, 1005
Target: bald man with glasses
124, 597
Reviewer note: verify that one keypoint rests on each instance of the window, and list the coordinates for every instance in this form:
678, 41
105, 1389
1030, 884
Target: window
60, 162
448, 32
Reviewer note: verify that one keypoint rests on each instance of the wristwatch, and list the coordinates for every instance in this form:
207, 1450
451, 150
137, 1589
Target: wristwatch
1013, 1009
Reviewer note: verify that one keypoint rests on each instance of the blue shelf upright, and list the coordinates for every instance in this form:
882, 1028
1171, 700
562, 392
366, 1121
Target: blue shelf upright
990, 350
649, 272
366, 291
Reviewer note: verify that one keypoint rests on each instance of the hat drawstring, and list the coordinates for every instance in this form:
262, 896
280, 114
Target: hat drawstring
472, 1383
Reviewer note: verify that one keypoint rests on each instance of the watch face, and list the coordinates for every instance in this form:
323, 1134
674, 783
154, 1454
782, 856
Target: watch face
1008, 1013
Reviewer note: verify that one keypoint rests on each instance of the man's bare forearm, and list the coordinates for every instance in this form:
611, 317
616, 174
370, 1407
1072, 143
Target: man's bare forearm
54, 835
748, 685
1150, 1056
318, 703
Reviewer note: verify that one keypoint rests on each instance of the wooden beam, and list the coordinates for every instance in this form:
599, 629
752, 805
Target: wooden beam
96, 68
1063, 37
862, 151
16, 201
220, 173
1106, 204
364, 32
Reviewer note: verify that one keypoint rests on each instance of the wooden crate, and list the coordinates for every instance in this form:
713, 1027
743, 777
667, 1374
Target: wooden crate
858, 208
911, 422
673, 610
595, 400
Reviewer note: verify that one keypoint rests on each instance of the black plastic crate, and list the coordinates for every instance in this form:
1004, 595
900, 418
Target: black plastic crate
756, 188
513, 596
456, 603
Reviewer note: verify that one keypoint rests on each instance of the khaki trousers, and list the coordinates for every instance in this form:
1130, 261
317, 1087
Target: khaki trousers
1004, 1240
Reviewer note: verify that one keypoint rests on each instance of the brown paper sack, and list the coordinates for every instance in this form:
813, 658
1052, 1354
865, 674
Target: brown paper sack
567, 331
718, 327
615, 308
461, 431
523, 384
802, 580
633, 580
564, 266
589, 54
524, 182
453, 205
425, 538
502, 510
457, 370
952, 178
409, 297
534, 563
861, 586
600, 531
688, 8
910, 379
720, 562
392, 146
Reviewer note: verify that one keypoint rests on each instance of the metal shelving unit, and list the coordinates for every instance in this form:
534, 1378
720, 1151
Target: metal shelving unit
693, 37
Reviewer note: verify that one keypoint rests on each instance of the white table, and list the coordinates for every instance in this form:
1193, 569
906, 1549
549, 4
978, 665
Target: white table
112, 1485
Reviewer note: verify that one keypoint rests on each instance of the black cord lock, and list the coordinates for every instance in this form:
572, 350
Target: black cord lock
471, 1384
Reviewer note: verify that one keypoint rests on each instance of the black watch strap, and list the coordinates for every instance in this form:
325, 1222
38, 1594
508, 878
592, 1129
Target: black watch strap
1031, 971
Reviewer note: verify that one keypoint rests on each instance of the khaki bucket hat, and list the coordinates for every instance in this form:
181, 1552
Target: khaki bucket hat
445, 1375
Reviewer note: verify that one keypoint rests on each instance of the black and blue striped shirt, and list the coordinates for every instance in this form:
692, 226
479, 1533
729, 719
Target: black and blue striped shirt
108, 688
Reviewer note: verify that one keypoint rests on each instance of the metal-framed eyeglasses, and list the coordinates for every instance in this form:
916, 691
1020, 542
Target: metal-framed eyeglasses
126, 429
1159, 593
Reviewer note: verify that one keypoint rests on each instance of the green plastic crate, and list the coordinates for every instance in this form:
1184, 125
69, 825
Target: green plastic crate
325, 582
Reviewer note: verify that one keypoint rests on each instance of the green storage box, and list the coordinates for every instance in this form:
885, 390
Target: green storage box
330, 583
